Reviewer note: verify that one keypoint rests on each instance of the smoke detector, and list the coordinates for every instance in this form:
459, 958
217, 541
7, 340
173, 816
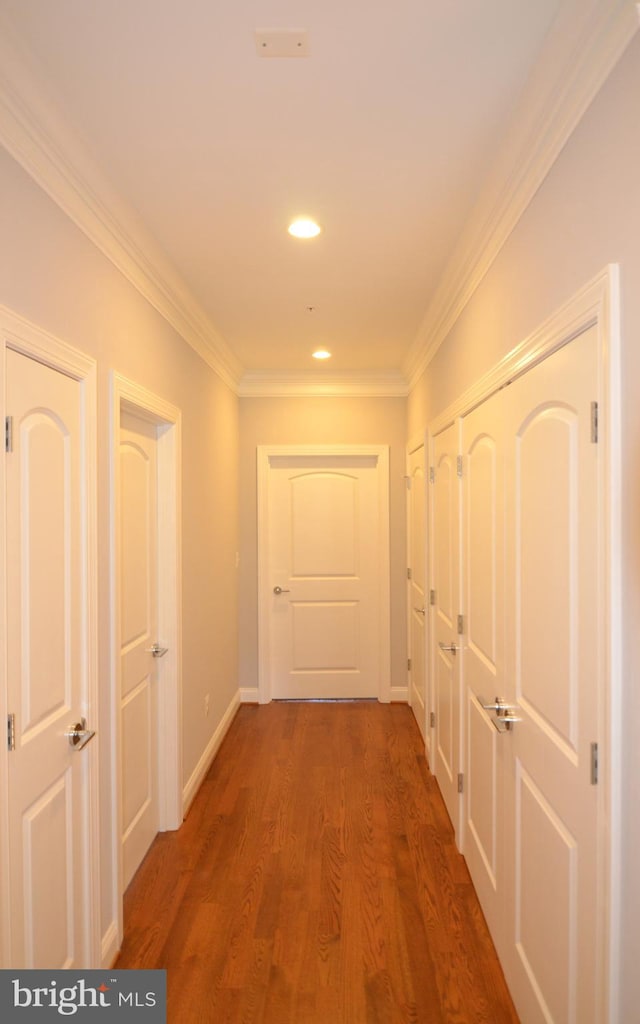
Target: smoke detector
282, 42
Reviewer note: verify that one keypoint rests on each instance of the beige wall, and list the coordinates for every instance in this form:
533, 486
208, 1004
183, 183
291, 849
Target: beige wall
52, 275
321, 421
586, 214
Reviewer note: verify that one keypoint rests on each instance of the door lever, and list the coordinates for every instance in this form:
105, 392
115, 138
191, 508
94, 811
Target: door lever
78, 734
449, 648
157, 650
281, 590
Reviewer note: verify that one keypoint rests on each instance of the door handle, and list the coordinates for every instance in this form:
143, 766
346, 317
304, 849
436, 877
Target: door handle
505, 715
281, 590
78, 734
449, 648
420, 611
157, 651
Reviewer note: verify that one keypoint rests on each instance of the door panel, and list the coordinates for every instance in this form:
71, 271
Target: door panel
417, 589
138, 632
447, 663
483, 585
552, 677
324, 554
47, 684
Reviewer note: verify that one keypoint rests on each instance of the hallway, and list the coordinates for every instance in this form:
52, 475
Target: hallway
316, 881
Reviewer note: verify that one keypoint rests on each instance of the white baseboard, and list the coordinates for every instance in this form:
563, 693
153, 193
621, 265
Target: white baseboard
399, 694
249, 695
210, 752
110, 946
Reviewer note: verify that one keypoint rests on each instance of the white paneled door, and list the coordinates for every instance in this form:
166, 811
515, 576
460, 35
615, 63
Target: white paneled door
323, 576
138, 547
49, 814
417, 587
553, 616
533, 650
446, 652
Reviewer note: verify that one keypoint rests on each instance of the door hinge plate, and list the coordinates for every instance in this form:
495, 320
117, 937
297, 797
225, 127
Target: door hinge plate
8, 434
594, 422
594, 764
459, 465
409, 574
432, 719
460, 625
432, 597
460, 782
432, 474
11, 732
408, 664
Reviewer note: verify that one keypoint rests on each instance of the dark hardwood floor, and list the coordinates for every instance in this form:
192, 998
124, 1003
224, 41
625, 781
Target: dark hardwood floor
316, 881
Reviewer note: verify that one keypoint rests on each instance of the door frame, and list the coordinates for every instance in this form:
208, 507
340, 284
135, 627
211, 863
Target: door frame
264, 455
135, 399
24, 337
420, 441
597, 305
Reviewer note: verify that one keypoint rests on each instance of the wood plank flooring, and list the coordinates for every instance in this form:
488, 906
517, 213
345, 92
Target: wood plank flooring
316, 881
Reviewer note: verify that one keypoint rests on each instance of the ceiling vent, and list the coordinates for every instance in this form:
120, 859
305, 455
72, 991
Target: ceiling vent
282, 42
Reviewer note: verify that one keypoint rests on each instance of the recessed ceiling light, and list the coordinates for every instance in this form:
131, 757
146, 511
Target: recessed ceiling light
302, 227
322, 354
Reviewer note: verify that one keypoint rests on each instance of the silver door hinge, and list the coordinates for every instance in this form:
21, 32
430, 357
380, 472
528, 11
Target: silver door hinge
460, 782
459, 465
432, 597
432, 719
409, 574
594, 422
11, 732
594, 764
460, 625
8, 434
408, 664
432, 474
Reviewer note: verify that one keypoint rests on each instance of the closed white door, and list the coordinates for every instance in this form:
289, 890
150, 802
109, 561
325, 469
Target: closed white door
554, 650
138, 633
417, 589
324, 577
446, 648
483, 544
47, 671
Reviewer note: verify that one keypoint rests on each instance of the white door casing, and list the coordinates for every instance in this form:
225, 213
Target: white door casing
323, 572
50, 882
138, 525
164, 423
417, 588
446, 649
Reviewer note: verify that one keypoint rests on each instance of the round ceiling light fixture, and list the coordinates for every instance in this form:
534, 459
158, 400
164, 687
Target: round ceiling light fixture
304, 227
322, 353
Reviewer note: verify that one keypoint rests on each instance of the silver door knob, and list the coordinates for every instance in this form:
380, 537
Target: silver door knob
420, 611
449, 648
280, 590
78, 734
157, 650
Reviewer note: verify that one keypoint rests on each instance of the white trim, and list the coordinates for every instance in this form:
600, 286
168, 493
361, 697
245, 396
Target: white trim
198, 774
399, 695
301, 384
597, 304
264, 454
249, 695
110, 946
581, 50
126, 395
24, 337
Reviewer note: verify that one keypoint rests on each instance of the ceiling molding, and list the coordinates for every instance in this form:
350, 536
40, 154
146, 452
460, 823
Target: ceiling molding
307, 384
580, 52
55, 158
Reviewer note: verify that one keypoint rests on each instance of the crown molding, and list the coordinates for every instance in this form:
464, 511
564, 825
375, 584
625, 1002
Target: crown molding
309, 384
581, 50
57, 160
